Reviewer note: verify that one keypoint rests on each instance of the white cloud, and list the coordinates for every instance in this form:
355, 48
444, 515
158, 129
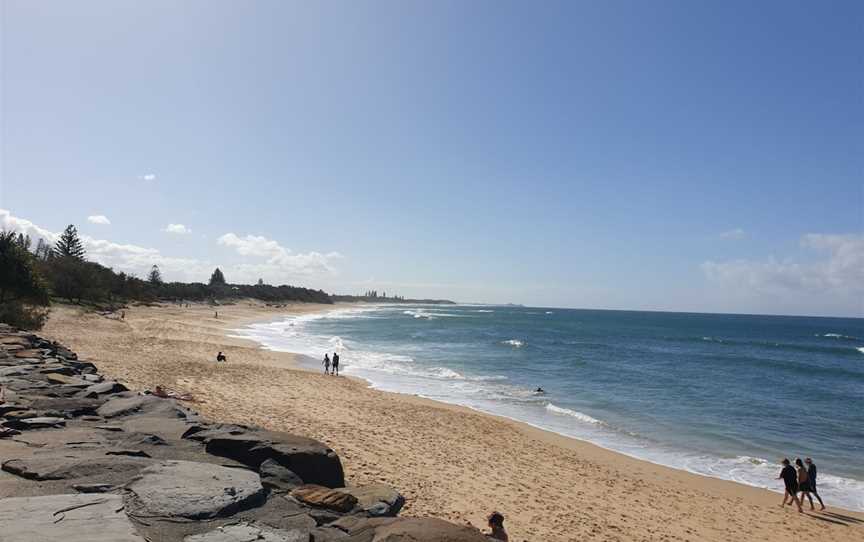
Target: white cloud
9, 222
839, 273
737, 233
147, 177
179, 229
278, 260
98, 219
279, 265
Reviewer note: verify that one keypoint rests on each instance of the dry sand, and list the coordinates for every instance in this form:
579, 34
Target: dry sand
448, 461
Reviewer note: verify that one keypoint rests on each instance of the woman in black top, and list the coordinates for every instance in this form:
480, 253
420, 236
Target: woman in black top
790, 478
803, 482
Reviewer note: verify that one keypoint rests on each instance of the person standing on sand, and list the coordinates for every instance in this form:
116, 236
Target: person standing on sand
335, 364
803, 482
811, 472
326, 363
790, 479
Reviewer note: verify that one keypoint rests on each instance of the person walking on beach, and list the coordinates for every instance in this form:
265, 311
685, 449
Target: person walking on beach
811, 472
335, 364
803, 482
790, 479
326, 363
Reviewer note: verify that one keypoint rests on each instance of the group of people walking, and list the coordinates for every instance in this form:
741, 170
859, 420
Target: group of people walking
800, 479
331, 367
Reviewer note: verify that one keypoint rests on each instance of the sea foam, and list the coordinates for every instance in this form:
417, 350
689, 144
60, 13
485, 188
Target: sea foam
572, 413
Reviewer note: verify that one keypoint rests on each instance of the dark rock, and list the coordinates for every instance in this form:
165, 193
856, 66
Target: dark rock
93, 488
309, 459
113, 428
185, 489
70, 518
26, 424
71, 407
278, 478
105, 388
325, 497
129, 453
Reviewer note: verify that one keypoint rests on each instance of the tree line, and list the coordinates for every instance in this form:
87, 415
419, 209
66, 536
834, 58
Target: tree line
30, 276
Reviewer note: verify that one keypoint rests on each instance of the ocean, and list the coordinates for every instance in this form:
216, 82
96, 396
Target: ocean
720, 395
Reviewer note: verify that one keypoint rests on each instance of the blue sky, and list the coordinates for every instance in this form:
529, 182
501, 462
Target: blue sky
671, 155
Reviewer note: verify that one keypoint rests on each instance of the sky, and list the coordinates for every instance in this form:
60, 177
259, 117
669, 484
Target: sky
674, 155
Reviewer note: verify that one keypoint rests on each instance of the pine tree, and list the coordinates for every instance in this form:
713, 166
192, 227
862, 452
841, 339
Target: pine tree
69, 244
155, 276
217, 278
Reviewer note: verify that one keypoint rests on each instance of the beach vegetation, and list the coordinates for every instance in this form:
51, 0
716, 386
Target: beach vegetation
69, 244
23, 291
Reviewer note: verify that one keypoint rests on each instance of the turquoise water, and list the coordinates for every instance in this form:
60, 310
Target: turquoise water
720, 395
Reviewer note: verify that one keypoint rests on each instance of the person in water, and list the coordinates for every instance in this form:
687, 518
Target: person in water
539, 391
326, 364
496, 526
803, 482
790, 479
220, 357
335, 364
811, 472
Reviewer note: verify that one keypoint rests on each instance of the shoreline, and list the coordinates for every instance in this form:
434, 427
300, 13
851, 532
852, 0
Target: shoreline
542, 481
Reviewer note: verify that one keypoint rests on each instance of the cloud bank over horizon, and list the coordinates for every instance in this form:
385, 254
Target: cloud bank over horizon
280, 265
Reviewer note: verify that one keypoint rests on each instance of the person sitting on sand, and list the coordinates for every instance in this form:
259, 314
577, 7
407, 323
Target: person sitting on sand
335, 364
790, 479
496, 525
220, 357
326, 363
158, 391
811, 473
803, 482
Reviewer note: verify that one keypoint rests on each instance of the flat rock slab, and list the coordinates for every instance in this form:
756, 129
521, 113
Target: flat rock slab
67, 380
186, 489
70, 467
124, 406
87, 518
249, 532
309, 459
103, 388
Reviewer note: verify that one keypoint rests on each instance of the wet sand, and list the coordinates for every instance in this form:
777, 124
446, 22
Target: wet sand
448, 461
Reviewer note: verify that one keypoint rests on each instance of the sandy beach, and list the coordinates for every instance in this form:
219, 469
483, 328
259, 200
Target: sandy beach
448, 461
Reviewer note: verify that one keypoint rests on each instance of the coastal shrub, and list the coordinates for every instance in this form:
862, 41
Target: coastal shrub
23, 292
23, 316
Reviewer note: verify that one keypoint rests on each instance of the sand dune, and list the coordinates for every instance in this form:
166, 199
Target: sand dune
448, 461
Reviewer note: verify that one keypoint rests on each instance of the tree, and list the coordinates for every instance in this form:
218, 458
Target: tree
69, 244
260, 282
155, 277
22, 291
217, 278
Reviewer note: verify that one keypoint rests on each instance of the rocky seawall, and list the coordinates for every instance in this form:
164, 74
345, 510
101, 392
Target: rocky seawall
86, 460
